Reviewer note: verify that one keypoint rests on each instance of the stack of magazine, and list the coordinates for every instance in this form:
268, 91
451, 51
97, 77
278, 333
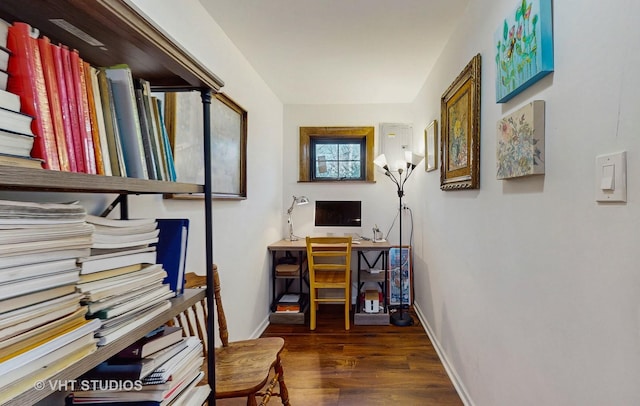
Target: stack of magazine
120, 281
43, 328
160, 369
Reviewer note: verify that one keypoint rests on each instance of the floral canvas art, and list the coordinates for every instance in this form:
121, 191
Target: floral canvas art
524, 48
520, 146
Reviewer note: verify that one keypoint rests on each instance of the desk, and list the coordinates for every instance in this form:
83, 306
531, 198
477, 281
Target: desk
299, 249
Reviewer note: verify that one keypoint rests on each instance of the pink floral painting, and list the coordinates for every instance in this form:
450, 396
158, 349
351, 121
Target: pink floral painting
520, 146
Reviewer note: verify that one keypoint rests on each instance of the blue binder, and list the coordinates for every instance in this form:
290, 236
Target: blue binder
172, 251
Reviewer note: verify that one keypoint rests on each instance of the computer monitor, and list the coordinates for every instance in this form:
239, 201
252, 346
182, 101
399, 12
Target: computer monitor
338, 213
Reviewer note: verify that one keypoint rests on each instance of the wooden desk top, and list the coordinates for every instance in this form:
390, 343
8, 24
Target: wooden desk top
301, 245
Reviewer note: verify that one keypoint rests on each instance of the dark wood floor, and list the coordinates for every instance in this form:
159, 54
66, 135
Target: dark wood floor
367, 365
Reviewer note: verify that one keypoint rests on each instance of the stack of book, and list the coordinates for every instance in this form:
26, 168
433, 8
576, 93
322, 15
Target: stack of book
161, 368
84, 118
16, 136
290, 303
120, 282
43, 328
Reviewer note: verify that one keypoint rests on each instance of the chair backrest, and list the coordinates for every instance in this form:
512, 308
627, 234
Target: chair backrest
194, 320
329, 254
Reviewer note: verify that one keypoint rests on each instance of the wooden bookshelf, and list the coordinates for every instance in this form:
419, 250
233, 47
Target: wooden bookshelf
178, 305
106, 33
44, 180
126, 37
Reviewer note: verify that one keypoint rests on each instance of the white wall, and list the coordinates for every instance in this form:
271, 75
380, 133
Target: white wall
529, 286
379, 199
242, 229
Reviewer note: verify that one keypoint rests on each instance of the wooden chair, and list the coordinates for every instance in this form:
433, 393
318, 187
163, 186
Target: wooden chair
248, 368
329, 262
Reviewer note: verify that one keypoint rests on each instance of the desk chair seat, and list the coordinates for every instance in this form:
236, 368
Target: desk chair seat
248, 368
329, 261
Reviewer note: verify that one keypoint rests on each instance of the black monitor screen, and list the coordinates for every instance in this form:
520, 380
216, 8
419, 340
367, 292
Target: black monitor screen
338, 213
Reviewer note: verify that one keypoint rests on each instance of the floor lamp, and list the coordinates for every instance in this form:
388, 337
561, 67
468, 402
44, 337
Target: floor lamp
400, 318
297, 201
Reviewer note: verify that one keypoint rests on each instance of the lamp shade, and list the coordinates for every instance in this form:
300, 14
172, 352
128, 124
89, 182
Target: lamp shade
413, 158
301, 200
381, 161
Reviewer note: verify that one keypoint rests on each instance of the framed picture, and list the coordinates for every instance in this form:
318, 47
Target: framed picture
524, 47
431, 142
520, 142
460, 133
185, 126
397, 256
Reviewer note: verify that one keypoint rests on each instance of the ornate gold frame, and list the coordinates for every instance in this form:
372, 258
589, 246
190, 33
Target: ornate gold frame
460, 143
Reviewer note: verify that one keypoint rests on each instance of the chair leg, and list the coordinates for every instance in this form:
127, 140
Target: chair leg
251, 400
347, 305
284, 393
312, 309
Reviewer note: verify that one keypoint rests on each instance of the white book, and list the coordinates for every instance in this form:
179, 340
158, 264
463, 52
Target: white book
124, 244
35, 270
142, 301
34, 322
4, 76
51, 345
15, 121
9, 101
43, 362
94, 307
128, 120
4, 58
4, 31
115, 231
42, 256
127, 328
120, 279
25, 286
104, 221
41, 246
102, 131
124, 287
24, 235
25, 313
104, 262
134, 237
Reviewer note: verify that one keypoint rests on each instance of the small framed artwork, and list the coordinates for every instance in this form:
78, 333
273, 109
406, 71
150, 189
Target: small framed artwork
520, 143
524, 47
397, 257
460, 133
228, 143
431, 141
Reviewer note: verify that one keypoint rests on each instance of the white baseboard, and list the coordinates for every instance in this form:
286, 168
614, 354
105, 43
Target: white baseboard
457, 383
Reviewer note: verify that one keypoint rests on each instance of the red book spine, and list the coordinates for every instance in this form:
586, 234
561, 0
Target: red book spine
73, 109
44, 46
77, 68
27, 80
64, 105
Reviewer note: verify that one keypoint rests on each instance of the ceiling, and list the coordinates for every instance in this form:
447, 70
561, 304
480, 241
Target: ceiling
339, 51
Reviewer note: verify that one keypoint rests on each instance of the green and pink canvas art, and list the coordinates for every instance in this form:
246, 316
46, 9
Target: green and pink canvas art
524, 48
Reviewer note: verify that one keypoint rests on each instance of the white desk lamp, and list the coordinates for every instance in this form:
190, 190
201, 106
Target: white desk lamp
297, 201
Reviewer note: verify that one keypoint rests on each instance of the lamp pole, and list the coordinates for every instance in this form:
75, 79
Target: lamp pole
400, 318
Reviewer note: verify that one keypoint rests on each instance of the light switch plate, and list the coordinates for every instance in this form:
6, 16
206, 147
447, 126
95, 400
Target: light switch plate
611, 177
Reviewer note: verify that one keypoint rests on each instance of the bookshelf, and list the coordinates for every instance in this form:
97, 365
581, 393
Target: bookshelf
115, 32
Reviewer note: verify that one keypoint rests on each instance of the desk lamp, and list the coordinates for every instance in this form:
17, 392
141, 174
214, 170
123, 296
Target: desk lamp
400, 318
297, 201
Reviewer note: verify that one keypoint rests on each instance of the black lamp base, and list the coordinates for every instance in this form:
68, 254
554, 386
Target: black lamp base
401, 319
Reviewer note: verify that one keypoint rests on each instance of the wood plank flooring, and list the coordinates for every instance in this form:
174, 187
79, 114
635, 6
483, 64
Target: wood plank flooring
367, 365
